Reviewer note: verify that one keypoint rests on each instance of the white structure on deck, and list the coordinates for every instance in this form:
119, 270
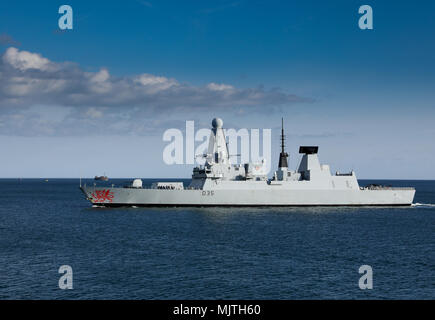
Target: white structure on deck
220, 183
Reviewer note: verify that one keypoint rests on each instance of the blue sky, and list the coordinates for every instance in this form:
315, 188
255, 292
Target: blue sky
86, 98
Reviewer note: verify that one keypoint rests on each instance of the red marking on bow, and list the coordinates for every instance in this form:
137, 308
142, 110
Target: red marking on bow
101, 196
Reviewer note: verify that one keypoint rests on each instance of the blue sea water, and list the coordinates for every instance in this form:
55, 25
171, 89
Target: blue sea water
211, 253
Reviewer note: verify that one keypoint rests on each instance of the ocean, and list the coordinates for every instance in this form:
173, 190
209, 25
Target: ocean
211, 253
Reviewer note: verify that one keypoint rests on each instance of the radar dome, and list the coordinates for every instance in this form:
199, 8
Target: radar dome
137, 183
217, 123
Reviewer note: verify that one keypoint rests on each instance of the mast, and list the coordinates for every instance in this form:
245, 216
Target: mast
283, 155
282, 135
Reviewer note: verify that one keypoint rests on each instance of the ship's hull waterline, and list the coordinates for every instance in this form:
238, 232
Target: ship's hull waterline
116, 197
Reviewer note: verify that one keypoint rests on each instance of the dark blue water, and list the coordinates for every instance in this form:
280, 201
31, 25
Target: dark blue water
194, 253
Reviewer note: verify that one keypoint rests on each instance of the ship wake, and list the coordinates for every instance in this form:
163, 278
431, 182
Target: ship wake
423, 205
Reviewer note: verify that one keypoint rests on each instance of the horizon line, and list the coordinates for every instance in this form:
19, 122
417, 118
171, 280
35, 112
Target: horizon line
78, 178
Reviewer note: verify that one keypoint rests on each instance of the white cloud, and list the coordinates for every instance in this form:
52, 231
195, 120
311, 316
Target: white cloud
219, 87
99, 81
154, 84
100, 76
28, 79
24, 60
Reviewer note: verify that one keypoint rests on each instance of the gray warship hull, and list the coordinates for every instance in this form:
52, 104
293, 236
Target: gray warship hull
220, 183
113, 197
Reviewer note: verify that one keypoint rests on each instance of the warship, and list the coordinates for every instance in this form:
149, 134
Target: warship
220, 183
101, 178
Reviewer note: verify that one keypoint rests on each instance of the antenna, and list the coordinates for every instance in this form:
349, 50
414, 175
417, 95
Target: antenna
282, 135
228, 151
283, 155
